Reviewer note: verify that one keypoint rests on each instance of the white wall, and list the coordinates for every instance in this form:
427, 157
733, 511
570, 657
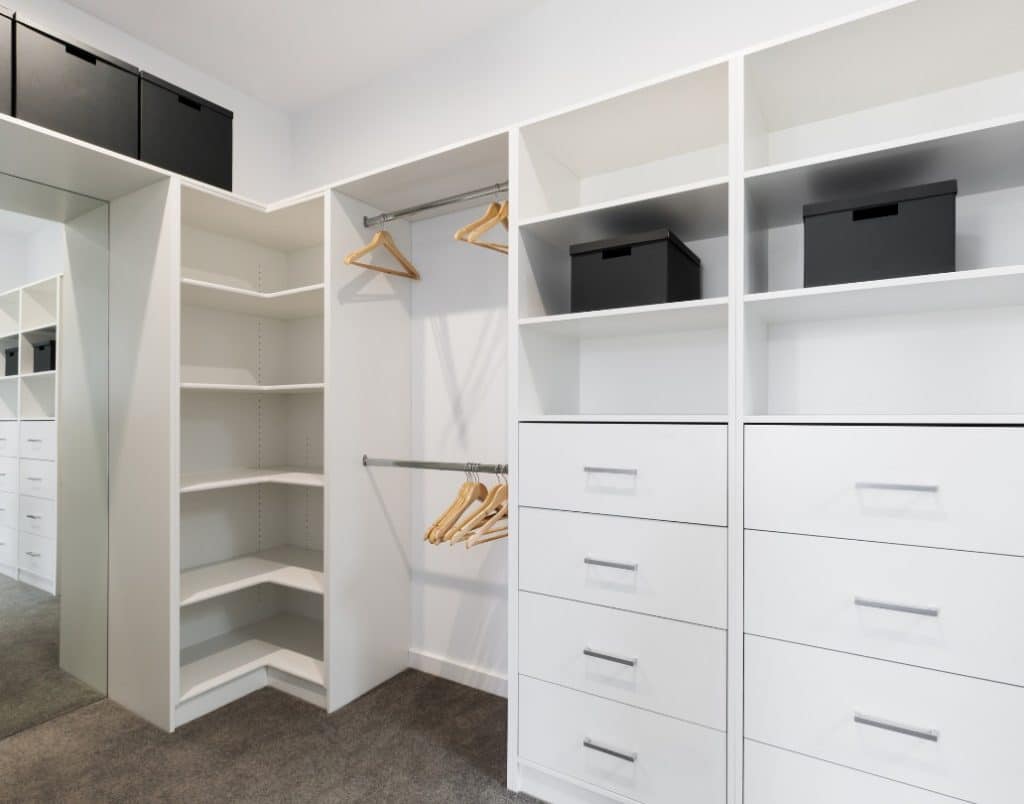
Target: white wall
262, 155
562, 53
30, 249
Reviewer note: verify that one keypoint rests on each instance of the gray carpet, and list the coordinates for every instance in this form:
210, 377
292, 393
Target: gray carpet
33, 688
416, 738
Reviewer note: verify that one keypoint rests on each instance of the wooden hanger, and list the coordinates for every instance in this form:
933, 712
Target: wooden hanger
490, 509
495, 528
492, 209
383, 239
501, 216
469, 493
464, 489
491, 537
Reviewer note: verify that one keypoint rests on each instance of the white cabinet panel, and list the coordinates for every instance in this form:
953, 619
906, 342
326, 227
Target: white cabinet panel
668, 667
657, 471
8, 439
943, 732
628, 751
8, 510
663, 568
9, 475
8, 546
956, 487
37, 517
37, 555
38, 479
39, 440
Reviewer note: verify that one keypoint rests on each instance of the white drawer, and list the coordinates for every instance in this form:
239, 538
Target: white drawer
669, 667
8, 510
806, 699
774, 776
9, 475
38, 556
953, 487
663, 568
37, 517
662, 759
8, 546
658, 471
39, 440
38, 479
944, 609
8, 439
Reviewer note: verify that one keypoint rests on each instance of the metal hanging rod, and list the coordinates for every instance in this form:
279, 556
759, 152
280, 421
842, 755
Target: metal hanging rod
469, 468
483, 192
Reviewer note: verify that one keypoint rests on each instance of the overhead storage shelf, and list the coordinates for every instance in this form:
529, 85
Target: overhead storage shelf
287, 566
302, 302
233, 478
297, 388
645, 320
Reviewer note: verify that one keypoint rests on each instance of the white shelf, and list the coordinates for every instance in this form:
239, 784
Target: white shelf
618, 418
645, 320
233, 478
987, 287
298, 388
288, 566
952, 419
287, 643
303, 302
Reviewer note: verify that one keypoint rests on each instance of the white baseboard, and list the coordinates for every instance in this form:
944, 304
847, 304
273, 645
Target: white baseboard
460, 672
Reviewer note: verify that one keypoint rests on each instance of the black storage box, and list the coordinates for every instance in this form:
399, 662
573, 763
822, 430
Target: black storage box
44, 356
184, 133
11, 361
650, 268
904, 232
76, 90
6, 60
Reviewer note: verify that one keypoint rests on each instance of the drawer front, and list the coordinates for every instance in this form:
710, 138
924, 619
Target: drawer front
37, 517
8, 510
947, 733
9, 475
661, 759
657, 471
38, 556
39, 440
38, 479
774, 776
663, 568
954, 487
943, 609
8, 431
8, 546
669, 667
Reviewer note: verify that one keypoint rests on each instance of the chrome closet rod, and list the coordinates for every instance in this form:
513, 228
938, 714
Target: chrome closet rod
471, 468
470, 195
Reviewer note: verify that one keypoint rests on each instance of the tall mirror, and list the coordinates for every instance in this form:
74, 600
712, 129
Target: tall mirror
53, 452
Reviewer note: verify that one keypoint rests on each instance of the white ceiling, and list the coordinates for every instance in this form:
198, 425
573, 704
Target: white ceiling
294, 54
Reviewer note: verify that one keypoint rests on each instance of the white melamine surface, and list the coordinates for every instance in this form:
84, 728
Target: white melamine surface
9, 510
292, 567
38, 555
678, 669
230, 478
9, 475
655, 318
805, 699
37, 517
300, 388
8, 549
289, 228
292, 303
38, 479
8, 439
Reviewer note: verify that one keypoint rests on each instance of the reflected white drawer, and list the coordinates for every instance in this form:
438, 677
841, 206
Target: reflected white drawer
952, 734
666, 666
38, 556
9, 475
774, 776
944, 609
663, 568
39, 440
8, 439
647, 757
8, 546
38, 517
8, 510
38, 479
658, 471
952, 487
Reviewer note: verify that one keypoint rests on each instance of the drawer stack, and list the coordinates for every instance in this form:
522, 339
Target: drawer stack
9, 498
37, 504
884, 658
622, 607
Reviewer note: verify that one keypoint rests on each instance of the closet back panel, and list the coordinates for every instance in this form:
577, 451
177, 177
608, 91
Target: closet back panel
212, 257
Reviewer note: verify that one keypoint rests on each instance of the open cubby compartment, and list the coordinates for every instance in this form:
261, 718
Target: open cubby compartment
904, 73
29, 340
8, 398
10, 315
988, 165
8, 342
39, 396
699, 216
40, 304
669, 134
229, 244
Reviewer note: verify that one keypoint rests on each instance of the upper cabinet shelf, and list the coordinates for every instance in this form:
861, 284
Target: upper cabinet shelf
300, 302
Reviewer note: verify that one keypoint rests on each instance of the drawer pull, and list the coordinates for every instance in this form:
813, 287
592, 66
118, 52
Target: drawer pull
35, 440
931, 735
609, 657
628, 756
609, 470
599, 562
32, 516
35, 479
924, 611
33, 555
924, 489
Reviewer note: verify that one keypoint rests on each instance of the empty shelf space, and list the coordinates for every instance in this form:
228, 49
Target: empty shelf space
303, 302
650, 319
286, 642
296, 388
292, 567
233, 478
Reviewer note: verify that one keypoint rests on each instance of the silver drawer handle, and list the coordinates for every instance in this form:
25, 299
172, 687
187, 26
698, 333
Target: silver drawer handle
32, 516
924, 611
609, 657
598, 562
35, 479
629, 756
924, 489
33, 555
932, 735
609, 470
34, 440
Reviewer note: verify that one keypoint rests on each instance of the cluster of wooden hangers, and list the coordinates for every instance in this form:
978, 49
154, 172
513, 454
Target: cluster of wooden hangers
460, 522
472, 233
